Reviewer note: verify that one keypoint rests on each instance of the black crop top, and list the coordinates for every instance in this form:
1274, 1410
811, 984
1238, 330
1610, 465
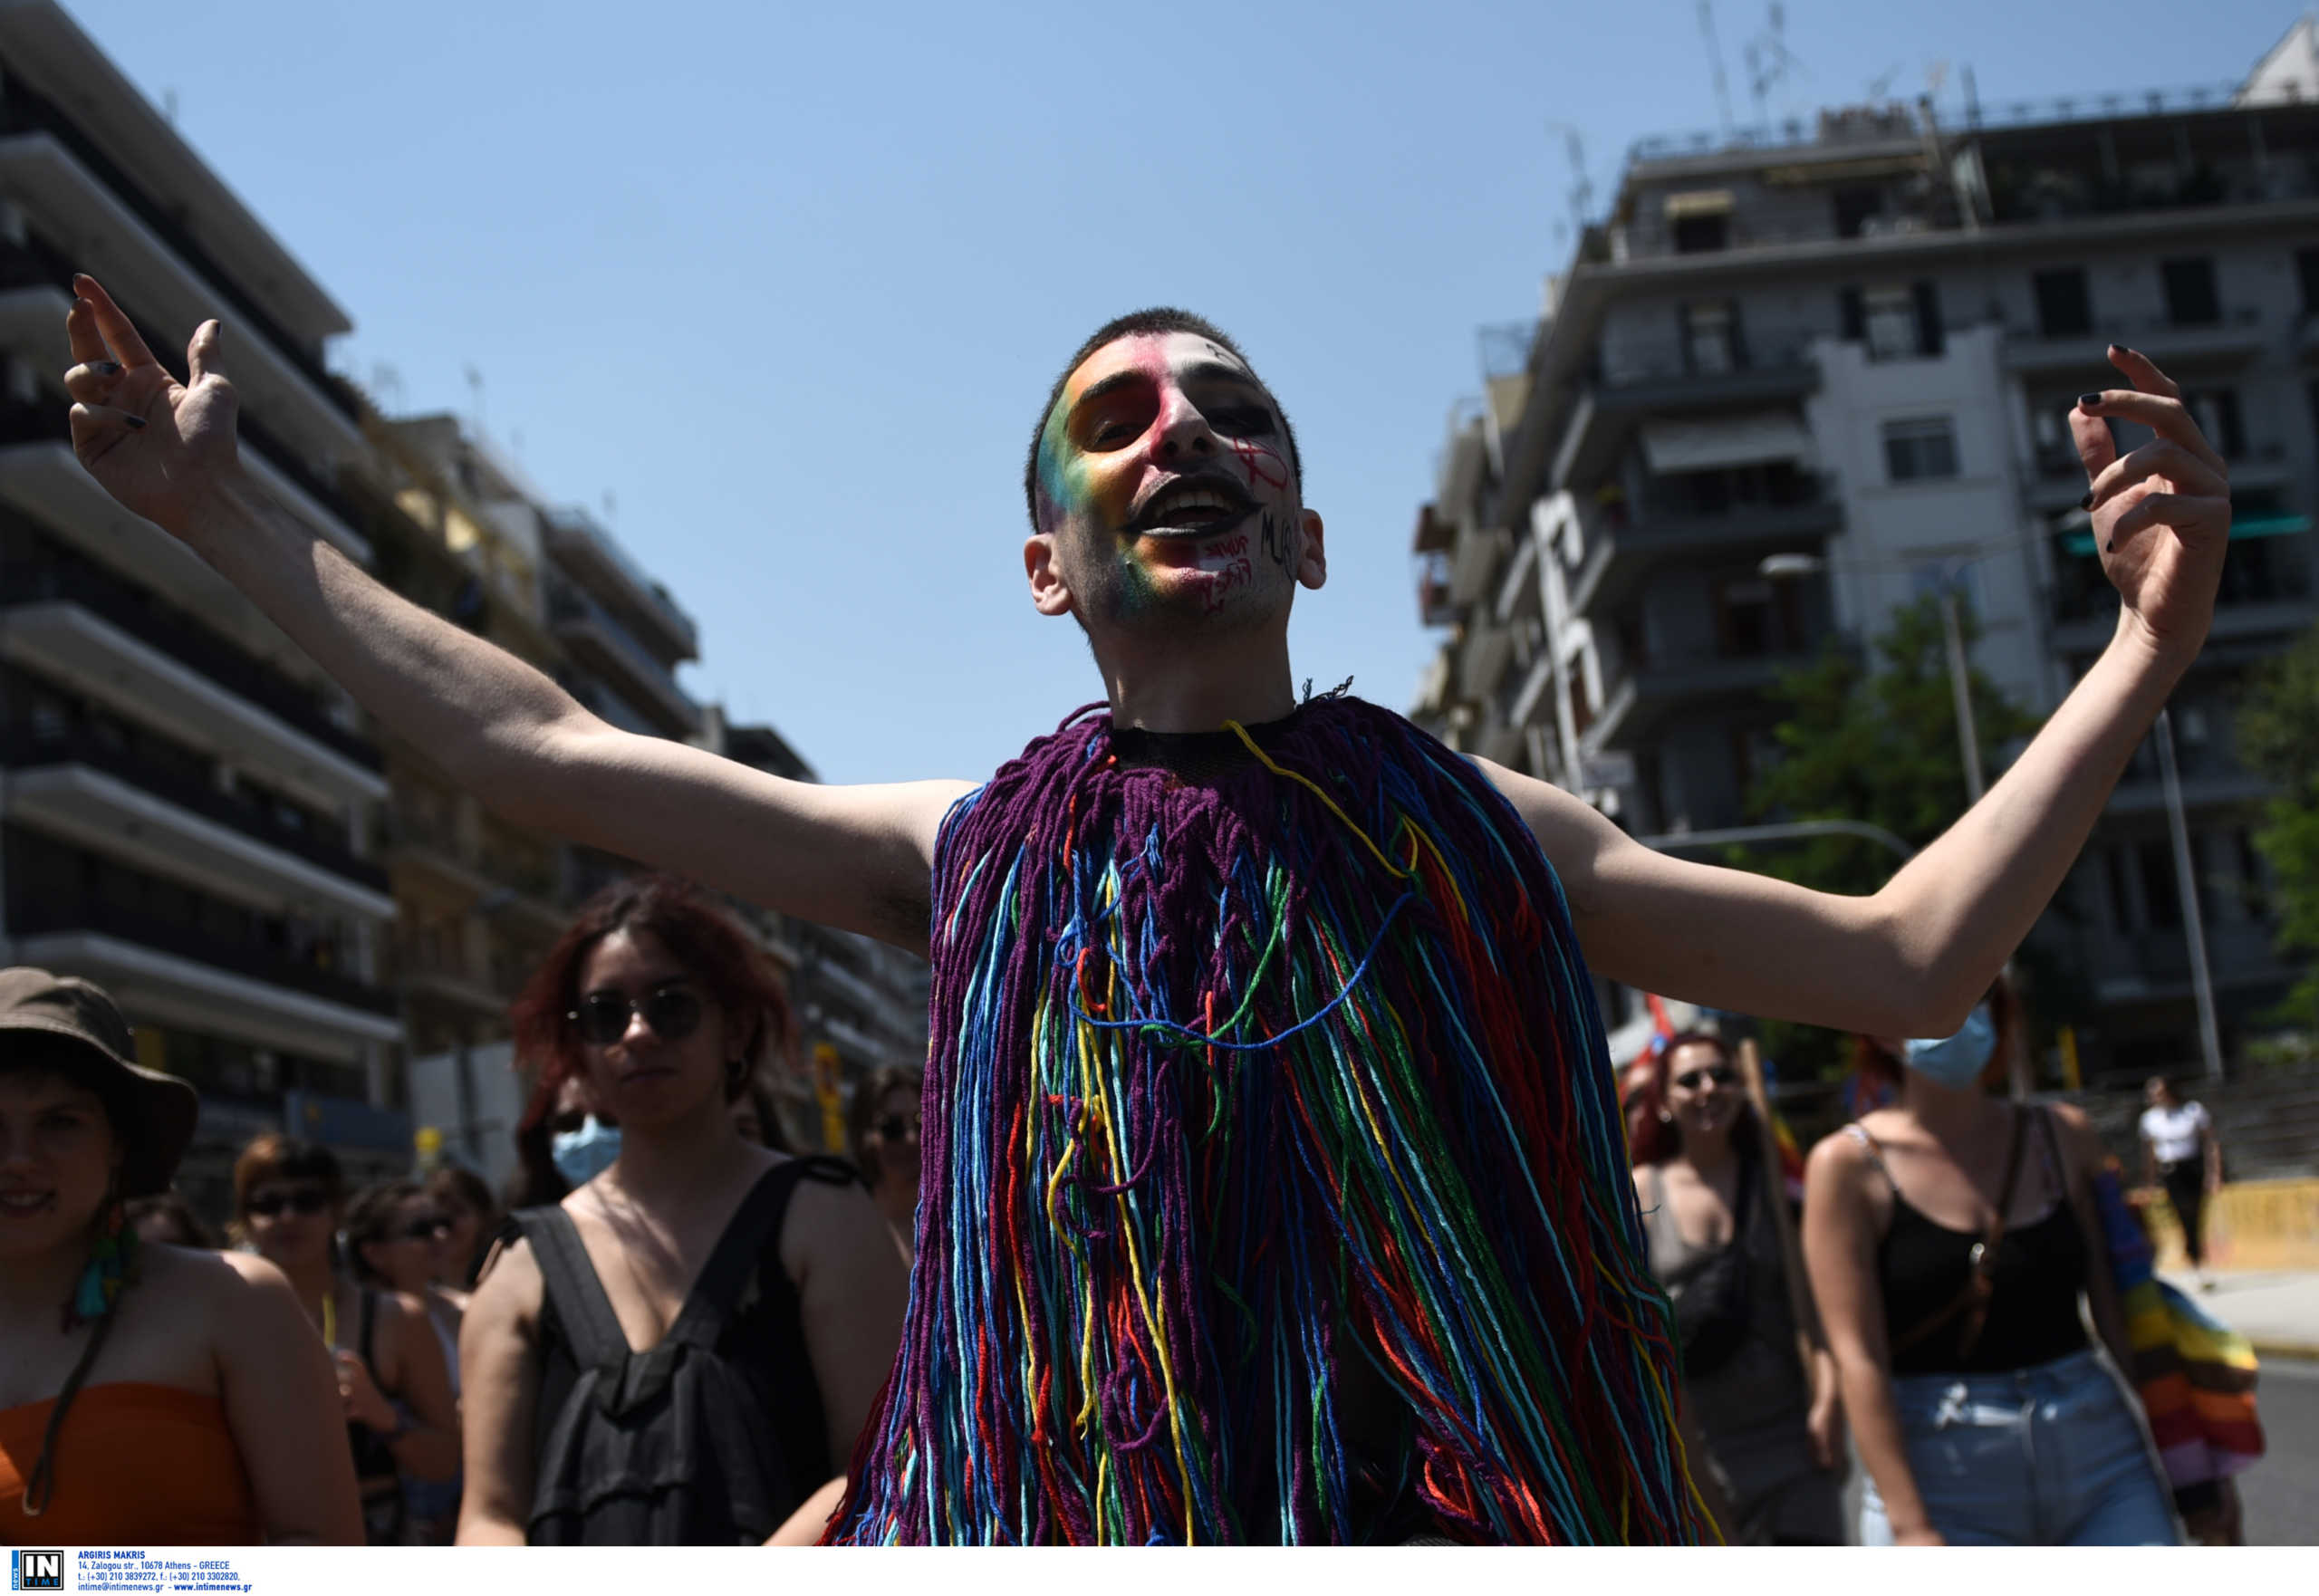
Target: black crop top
2039, 1269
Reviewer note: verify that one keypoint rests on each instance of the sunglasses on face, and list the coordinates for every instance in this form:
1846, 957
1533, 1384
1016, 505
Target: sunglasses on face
1721, 1074
305, 1199
425, 1229
672, 1013
894, 1127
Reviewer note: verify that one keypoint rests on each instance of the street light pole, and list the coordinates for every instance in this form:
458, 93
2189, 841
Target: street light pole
2185, 888
1961, 688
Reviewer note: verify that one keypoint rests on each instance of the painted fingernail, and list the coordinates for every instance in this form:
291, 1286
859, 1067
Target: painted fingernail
2087, 503
2111, 547
2086, 401
134, 423
105, 368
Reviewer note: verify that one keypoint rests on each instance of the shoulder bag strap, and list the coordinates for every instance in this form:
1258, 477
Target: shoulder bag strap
585, 1312
754, 1223
1973, 1300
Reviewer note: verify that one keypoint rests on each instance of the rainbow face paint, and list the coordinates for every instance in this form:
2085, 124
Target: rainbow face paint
1165, 483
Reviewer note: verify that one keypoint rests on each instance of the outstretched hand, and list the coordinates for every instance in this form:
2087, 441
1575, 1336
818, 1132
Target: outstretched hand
157, 445
2161, 513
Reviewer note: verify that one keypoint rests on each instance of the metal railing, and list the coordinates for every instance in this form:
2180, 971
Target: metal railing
30, 914
23, 749
185, 641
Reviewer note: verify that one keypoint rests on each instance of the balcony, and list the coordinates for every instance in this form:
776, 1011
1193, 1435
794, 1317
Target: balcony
2238, 336
80, 779
596, 637
1636, 700
92, 624
1659, 378
593, 556
1619, 556
98, 229
35, 917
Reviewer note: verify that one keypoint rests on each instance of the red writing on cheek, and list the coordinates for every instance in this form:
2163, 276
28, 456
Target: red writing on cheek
1260, 463
1236, 575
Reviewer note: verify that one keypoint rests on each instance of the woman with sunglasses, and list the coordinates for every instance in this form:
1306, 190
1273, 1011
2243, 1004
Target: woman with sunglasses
402, 1418
1768, 1415
396, 1236
695, 1262
885, 1125
1951, 1239
151, 1395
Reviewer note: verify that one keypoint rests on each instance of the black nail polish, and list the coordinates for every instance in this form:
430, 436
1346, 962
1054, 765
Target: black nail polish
2086, 401
2087, 503
105, 368
134, 423
2111, 547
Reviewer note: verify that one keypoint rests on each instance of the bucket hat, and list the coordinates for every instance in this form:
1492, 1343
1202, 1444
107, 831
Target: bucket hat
159, 1108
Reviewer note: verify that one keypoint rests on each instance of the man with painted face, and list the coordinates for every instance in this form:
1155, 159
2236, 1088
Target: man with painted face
1273, 1189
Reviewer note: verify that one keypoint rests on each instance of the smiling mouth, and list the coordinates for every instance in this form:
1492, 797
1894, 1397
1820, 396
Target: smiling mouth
24, 1204
1198, 508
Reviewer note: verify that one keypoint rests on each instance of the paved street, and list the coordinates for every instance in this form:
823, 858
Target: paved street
2280, 1491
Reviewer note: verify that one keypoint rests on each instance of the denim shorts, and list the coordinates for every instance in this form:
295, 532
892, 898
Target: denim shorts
2050, 1456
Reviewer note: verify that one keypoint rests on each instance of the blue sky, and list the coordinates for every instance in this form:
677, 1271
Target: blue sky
790, 281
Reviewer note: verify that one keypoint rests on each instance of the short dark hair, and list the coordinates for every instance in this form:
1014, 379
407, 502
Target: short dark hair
371, 1218
1135, 323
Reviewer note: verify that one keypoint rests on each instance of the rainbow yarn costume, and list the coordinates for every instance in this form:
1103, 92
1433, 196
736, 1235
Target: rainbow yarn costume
1275, 1190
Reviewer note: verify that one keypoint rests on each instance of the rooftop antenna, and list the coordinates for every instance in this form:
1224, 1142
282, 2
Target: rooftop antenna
1714, 62
1769, 61
1582, 188
1881, 88
169, 106
475, 387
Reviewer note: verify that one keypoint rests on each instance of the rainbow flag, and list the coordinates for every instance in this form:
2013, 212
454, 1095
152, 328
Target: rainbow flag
2195, 1374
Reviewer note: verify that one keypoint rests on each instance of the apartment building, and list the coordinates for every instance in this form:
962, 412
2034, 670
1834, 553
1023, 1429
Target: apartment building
187, 809
1798, 378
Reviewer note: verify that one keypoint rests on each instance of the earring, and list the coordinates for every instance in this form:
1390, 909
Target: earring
112, 1249
1665, 1118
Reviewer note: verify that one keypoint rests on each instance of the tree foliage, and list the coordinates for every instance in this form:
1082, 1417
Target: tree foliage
2278, 734
1872, 741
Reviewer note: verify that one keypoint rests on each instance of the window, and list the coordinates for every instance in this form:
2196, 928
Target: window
1855, 207
2063, 308
1697, 235
1896, 321
2306, 271
2159, 893
2191, 300
1920, 449
1711, 337
2215, 410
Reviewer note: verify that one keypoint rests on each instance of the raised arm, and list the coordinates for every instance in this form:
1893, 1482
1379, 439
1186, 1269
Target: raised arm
855, 857
1913, 959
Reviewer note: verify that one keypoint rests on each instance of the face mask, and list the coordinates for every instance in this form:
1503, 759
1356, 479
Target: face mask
584, 1154
1955, 1061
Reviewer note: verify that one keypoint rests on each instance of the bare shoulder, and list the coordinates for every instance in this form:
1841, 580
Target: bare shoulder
1839, 1155
227, 1278
510, 1291
829, 1219
2081, 1143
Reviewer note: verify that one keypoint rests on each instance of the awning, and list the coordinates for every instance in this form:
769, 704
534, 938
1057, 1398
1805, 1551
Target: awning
1726, 441
2246, 526
1699, 202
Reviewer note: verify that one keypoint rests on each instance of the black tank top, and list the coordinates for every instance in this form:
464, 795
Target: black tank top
2037, 1272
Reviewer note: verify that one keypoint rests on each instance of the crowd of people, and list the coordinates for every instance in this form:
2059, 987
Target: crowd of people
1266, 1182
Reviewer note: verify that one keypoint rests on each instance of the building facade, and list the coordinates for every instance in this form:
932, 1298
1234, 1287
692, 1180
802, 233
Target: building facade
1797, 380
189, 811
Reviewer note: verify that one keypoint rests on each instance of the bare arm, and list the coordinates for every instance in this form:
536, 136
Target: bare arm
281, 1404
1913, 959
429, 1447
852, 1291
500, 1393
1840, 1236
855, 857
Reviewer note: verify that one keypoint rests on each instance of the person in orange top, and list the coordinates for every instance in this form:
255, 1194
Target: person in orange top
149, 1395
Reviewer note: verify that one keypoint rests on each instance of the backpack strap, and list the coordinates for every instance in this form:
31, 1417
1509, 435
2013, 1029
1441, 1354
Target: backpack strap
754, 1223
581, 1307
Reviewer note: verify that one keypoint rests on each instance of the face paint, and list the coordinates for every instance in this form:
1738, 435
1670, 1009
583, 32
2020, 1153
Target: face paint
1164, 485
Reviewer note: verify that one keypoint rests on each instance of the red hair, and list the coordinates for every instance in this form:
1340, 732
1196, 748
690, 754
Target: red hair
705, 938
1642, 1091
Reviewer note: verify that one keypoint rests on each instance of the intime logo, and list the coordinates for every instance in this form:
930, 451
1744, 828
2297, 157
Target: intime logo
35, 1571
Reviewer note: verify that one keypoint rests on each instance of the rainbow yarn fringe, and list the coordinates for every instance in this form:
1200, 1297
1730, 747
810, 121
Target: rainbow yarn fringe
1275, 1187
